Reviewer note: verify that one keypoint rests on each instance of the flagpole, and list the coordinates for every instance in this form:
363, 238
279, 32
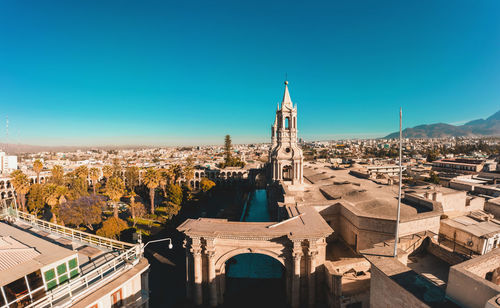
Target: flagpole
400, 181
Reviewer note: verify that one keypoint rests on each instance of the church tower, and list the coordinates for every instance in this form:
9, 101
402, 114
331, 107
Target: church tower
286, 156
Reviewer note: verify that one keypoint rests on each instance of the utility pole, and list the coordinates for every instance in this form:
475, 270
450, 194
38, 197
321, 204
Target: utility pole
400, 181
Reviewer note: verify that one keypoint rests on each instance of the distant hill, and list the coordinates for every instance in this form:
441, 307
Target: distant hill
475, 128
27, 148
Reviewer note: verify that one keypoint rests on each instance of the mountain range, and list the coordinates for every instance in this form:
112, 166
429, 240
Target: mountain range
475, 128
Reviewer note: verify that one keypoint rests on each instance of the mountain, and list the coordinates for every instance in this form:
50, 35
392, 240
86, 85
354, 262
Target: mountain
475, 128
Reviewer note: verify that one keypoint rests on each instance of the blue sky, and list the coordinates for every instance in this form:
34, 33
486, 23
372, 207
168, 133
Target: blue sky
189, 72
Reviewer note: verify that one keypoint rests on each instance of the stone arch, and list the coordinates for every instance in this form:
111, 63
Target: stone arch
287, 173
221, 261
287, 122
196, 175
3, 195
8, 184
2, 184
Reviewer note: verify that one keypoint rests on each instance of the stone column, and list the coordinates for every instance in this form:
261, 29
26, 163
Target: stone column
212, 282
297, 256
188, 279
198, 278
312, 276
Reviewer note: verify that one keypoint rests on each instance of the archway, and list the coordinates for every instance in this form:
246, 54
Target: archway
253, 280
287, 173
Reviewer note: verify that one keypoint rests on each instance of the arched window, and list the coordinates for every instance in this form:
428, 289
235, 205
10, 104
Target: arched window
294, 122
287, 122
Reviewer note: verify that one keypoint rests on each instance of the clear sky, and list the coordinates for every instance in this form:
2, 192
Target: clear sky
189, 72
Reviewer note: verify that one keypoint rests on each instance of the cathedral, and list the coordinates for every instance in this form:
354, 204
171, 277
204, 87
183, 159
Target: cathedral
285, 155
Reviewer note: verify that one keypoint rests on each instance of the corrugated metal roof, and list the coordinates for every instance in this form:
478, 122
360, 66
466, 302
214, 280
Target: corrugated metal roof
13, 252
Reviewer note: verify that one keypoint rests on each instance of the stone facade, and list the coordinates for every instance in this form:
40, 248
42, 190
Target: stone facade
285, 155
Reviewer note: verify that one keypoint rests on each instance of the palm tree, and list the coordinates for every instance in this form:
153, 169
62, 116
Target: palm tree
107, 171
82, 172
152, 180
57, 175
115, 189
165, 178
55, 195
37, 167
95, 174
176, 171
21, 185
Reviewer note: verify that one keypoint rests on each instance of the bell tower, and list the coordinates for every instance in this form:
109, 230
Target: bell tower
285, 154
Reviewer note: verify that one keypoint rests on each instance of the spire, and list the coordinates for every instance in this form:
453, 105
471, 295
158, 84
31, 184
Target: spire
287, 101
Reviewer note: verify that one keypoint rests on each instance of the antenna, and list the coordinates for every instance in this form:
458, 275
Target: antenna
286, 76
400, 180
6, 133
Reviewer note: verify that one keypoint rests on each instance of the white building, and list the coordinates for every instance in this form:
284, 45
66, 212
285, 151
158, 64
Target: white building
8, 163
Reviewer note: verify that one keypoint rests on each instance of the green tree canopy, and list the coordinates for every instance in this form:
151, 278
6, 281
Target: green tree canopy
112, 227
206, 185
84, 211
174, 194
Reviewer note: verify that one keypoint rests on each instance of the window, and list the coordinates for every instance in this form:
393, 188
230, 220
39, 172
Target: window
116, 299
50, 279
287, 122
16, 290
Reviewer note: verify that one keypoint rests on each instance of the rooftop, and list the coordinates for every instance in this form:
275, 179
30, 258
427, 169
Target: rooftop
22, 253
472, 226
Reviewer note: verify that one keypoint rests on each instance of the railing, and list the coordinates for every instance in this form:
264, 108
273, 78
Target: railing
78, 286
64, 294
70, 233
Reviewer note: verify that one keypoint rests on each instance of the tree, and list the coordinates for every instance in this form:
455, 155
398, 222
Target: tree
112, 227
82, 172
55, 195
433, 177
188, 171
152, 180
117, 168
137, 210
84, 211
206, 185
78, 187
176, 171
171, 209
107, 171
57, 175
35, 198
115, 189
432, 156
37, 167
174, 194
21, 184
95, 174
132, 177
227, 149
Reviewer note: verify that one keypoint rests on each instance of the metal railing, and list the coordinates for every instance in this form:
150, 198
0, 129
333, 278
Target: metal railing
73, 289
70, 233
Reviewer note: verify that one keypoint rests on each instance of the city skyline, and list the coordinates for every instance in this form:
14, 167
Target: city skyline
185, 74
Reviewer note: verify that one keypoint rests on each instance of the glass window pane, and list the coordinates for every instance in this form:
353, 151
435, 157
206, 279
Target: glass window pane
73, 263
61, 269
63, 278
35, 280
49, 275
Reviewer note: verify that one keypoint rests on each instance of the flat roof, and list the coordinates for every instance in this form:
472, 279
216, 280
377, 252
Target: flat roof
472, 226
43, 253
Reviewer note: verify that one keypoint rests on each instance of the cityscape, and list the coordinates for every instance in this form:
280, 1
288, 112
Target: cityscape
105, 204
